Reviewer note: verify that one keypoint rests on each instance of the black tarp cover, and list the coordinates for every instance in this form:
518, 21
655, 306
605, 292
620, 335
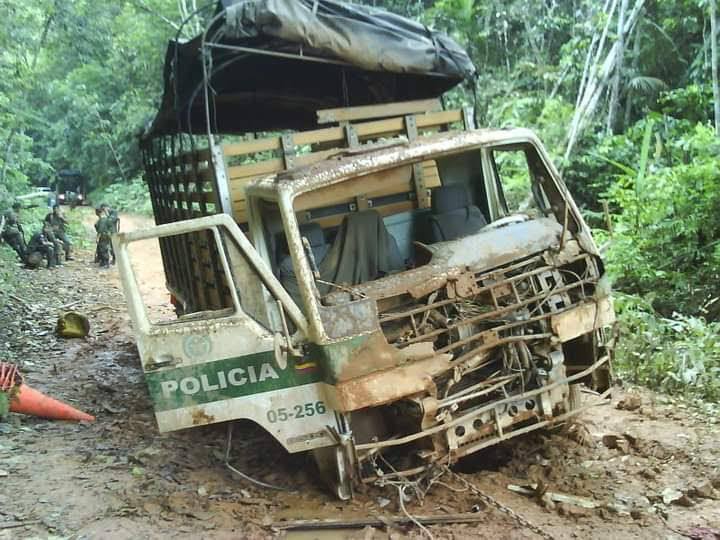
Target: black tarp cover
383, 58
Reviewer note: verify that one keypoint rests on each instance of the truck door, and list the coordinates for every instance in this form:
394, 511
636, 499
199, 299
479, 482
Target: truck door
236, 360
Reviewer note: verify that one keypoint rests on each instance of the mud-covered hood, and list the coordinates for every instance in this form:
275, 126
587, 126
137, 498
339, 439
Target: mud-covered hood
482, 251
498, 246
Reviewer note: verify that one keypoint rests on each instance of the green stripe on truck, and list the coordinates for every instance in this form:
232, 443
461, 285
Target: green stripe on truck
187, 386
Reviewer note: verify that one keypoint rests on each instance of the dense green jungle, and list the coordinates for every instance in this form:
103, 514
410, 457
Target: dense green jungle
624, 94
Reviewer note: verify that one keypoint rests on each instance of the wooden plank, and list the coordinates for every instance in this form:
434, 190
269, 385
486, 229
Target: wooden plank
242, 174
397, 125
237, 192
240, 206
316, 136
438, 119
372, 196
398, 177
255, 169
401, 108
336, 134
431, 175
431, 181
251, 146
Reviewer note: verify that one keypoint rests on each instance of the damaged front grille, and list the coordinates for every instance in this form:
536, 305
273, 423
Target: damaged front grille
507, 364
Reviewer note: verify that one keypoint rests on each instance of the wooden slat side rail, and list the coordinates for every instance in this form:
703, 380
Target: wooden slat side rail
365, 130
401, 108
174, 178
381, 184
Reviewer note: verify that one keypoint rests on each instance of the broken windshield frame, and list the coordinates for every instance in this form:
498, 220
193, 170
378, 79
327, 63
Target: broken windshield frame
545, 188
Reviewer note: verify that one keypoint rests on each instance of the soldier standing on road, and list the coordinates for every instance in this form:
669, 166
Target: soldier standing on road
104, 228
13, 232
57, 221
41, 247
112, 215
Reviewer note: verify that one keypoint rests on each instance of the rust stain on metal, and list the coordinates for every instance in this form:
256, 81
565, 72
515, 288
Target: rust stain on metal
426, 287
388, 385
200, 417
462, 286
583, 319
375, 355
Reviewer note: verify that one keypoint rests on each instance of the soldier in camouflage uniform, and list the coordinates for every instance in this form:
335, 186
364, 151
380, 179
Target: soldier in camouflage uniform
13, 232
112, 215
41, 247
104, 228
57, 244
58, 222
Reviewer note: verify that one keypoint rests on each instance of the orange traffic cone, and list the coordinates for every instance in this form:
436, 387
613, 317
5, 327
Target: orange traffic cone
29, 401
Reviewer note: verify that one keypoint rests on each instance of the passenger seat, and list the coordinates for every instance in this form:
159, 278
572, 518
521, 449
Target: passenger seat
453, 216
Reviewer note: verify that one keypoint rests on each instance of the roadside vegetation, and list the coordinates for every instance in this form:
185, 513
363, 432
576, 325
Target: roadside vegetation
126, 197
624, 93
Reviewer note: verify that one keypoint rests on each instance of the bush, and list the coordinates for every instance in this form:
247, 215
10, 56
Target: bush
667, 233
679, 355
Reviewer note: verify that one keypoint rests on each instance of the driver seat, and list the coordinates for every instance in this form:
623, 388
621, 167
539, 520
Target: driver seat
453, 216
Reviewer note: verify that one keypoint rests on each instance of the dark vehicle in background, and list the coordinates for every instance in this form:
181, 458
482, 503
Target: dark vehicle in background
71, 187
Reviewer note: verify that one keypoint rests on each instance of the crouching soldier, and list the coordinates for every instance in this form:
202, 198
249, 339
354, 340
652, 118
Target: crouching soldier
104, 228
13, 232
57, 244
39, 248
57, 221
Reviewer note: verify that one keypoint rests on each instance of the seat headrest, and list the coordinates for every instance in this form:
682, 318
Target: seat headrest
448, 198
314, 233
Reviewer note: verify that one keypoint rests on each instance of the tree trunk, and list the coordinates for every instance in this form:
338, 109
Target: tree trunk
596, 86
635, 63
6, 159
591, 48
714, 55
587, 86
105, 134
615, 93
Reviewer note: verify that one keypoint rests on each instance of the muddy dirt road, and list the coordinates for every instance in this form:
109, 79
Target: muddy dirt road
649, 463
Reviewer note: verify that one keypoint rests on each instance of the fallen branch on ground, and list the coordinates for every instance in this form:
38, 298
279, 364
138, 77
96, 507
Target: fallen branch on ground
315, 524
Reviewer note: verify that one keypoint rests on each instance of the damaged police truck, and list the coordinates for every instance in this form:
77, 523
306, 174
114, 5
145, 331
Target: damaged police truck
359, 271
